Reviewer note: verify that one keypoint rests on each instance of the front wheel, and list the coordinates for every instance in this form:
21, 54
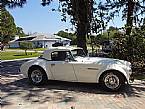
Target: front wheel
113, 81
37, 76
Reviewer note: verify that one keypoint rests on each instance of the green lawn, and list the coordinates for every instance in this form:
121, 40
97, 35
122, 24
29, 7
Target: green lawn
40, 49
35, 49
16, 55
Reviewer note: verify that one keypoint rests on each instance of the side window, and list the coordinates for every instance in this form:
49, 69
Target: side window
58, 56
54, 56
61, 56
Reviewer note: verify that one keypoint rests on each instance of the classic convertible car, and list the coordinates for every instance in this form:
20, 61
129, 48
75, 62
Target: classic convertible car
71, 64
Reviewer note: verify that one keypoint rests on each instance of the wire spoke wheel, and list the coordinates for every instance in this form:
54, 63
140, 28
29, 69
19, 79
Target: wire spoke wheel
36, 76
112, 81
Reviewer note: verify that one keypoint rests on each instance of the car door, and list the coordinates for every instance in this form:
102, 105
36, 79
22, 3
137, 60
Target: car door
86, 72
61, 68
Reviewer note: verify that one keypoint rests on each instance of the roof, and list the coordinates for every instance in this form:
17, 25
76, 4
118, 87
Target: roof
42, 37
38, 38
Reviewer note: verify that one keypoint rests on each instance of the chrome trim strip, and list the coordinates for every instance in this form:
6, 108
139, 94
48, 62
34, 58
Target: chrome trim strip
92, 68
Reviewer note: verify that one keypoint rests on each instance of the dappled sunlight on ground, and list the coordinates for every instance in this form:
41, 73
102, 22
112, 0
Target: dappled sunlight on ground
17, 92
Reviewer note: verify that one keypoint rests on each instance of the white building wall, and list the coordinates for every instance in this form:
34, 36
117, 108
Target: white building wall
44, 44
49, 43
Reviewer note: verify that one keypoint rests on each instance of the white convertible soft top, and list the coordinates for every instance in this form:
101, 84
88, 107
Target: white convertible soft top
47, 53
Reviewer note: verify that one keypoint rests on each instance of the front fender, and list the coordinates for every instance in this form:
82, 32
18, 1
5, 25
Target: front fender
113, 67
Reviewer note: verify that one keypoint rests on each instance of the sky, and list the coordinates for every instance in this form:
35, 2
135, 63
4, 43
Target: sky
33, 17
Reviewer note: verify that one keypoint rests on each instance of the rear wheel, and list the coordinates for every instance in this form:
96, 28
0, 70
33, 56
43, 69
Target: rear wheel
113, 81
37, 76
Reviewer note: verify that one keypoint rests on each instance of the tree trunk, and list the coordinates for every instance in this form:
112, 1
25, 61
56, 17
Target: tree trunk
131, 6
81, 36
25, 51
82, 13
129, 23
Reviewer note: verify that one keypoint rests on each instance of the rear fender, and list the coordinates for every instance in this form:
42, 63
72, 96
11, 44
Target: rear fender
43, 64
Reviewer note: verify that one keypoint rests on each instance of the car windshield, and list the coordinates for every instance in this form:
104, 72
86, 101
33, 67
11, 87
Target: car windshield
78, 52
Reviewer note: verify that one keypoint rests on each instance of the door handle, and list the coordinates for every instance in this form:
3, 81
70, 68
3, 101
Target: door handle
52, 64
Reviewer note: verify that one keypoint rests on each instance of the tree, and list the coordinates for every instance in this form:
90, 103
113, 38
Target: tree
132, 10
68, 35
26, 46
20, 32
110, 34
7, 26
12, 3
81, 15
121, 48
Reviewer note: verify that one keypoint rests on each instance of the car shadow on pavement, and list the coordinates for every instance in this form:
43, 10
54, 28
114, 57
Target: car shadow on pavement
58, 91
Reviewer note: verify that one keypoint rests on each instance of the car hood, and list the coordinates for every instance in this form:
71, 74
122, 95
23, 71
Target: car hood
100, 61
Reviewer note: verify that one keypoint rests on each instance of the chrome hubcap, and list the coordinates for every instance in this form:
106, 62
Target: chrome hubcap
36, 76
111, 81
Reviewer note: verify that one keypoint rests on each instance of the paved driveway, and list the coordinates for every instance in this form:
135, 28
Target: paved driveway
17, 93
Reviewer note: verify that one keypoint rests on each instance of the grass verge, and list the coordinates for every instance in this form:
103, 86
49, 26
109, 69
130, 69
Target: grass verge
17, 55
35, 49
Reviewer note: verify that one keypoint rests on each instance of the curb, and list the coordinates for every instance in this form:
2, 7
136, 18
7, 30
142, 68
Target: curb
18, 59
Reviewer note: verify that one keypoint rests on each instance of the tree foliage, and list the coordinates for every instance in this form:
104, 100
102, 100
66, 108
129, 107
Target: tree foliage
131, 45
68, 35
122, 48
110, 34
7, 26
12, 3
26, 46
20, 32
132, 10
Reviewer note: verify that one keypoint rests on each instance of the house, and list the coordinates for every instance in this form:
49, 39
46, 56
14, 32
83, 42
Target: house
40, 40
